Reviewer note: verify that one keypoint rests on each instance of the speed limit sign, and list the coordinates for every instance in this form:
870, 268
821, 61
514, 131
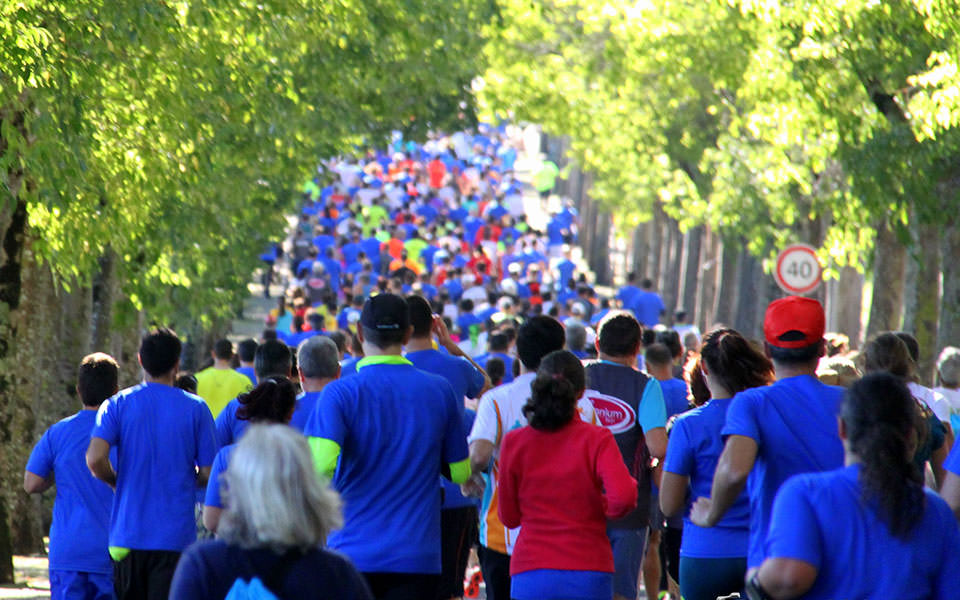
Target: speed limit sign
798, 269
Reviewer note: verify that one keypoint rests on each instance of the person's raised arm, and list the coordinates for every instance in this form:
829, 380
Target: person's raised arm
98, 461
733, 468
443, 339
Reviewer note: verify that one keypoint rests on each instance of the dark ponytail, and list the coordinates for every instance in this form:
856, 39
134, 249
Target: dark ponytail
881, 420
554, 393
734, 362
272, 401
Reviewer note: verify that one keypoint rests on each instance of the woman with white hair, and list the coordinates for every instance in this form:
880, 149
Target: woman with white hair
948, 375
277, 518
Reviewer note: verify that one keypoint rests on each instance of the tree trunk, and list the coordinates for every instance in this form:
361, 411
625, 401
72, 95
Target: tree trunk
641, 249
104, 295
948, 332
691, 269
922, 297
727, 290
656, 243
16, 418
672, 278
707, 290
889, 262
748, 304
600, 250
845, 304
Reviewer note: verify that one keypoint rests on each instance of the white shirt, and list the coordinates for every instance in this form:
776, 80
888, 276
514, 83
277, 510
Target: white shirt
951, 400
934, 400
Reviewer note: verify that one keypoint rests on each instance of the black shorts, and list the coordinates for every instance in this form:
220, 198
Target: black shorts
458, 533
401, 586
144, 575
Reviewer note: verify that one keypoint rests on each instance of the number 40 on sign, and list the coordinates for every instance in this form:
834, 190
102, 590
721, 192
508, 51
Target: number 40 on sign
798, 270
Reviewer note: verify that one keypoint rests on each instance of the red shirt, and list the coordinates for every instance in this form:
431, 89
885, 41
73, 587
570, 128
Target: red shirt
561, 487
437, 170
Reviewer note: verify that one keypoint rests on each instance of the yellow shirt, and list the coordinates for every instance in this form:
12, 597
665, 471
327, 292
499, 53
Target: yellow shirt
217, 387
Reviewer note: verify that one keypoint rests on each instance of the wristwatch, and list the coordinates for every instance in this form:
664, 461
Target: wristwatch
754, 590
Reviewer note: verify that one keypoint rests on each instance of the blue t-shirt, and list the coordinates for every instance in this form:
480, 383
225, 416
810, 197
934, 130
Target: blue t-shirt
248, 371
794, 423
507, 363
952, 463
306, 403
209, 569
566, 268
81, 511
627, 293
214, 485
349, 366
229, 429
821, 519
467, 382
675, 396
647, 306
161, 434
351, 252
693, 451
395, 425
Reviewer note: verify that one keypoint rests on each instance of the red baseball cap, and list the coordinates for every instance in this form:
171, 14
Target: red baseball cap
794, 322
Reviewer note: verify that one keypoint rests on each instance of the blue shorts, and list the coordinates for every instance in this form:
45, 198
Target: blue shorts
550, 584
80, 585
628, 546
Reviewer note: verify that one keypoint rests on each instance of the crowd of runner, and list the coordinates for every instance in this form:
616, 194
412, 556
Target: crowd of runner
441, 391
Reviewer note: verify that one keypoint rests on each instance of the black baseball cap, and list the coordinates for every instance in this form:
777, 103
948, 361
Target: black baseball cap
385, 312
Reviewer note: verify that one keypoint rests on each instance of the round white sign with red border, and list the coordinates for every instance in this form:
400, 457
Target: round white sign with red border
798, 269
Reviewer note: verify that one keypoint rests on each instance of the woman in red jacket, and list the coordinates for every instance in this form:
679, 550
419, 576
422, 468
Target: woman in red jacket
561, 479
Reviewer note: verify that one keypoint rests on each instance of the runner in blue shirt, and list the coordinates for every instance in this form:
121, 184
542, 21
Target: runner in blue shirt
272, 358
245, 352
659, 364
317, 365
383, 435
153, 518
272, 401
468, 380
870, 530
775, 432
497, 346
647, 305
713, 560
79, 563
627, 293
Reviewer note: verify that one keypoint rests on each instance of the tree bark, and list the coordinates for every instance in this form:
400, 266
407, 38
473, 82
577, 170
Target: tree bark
889, 262
656, 243
16, 418
641, 249
600, 250
691, 269
727, 290
749, 274
707, 290
103, 297
923, 296
845, 304
948, 332
672, 278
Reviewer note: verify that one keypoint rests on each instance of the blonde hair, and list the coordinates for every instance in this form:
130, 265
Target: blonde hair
273, 496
